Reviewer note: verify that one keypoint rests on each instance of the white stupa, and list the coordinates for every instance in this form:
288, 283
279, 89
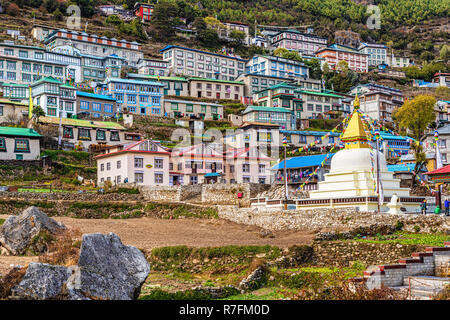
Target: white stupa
352, 178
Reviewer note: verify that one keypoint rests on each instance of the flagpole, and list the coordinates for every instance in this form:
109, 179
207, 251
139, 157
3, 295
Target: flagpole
285, 174
378, 174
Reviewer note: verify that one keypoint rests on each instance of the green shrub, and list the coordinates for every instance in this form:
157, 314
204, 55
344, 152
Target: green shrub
302, 254
399, 225
175, 253
158, 294
301, 280
416, 229
2, 221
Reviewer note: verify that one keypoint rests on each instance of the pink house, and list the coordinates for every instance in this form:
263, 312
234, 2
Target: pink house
201, 163
247, 165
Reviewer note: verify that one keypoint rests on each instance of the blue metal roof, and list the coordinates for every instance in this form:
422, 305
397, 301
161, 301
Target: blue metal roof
153, 83
389, 136
403, 167
302, 162
94, 96
212, 174
311, 133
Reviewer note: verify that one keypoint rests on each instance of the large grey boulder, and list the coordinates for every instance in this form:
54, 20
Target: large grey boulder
106, 270
41, 281
109, 269
18, 232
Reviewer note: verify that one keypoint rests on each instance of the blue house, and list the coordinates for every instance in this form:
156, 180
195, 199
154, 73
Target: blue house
392, 146
299, 168
136, 96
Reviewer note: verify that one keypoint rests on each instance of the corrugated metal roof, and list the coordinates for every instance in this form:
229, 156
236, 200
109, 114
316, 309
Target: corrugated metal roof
310, 133
302, 162
268, 109
153, 83
94, 96
22, 132
82, 123
402, 167
200, 51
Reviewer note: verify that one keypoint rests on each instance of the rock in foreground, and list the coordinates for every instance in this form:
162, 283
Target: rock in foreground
109, 269
18, 232
106, 270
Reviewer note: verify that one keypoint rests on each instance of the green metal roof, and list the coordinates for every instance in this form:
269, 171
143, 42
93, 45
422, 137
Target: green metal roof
6, 101
47, 79
18, 132
268, 109
4, 84
82, 123
278, 85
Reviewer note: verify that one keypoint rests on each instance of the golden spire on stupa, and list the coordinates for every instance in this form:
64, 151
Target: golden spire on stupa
355, 136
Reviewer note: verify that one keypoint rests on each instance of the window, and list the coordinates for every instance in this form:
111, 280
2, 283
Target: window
2, 145
84, 105
22, 145
101, 135
159, 163
11, 65
138, 177
52, 101
261, 168
37, 68
108, 108
11, 76
26, 77
138, 162
68, 133
118, 179
26, 67
174, 106
114, 136
108, 166
84, 134
194, 179
131, 99
158, 178
48, 69
118, 164
189, 108
96, 106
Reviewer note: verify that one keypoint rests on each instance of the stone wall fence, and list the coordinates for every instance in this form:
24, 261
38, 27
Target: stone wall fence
325, 218
222, 193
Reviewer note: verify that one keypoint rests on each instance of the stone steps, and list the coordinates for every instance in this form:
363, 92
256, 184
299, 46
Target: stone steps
423, 275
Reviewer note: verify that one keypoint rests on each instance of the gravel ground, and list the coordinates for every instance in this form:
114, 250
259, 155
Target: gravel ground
148, 233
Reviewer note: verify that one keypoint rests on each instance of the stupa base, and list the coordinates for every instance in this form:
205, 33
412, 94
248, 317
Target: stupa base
369, 203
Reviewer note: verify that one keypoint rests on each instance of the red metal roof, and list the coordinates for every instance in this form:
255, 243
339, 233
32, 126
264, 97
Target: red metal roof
442, 170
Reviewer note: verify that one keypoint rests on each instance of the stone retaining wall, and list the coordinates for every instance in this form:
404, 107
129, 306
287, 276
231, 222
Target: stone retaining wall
222, 193
170, 193
345, 253
332, 219
160, 193
394, 275
69, 196
190, 191
218, 193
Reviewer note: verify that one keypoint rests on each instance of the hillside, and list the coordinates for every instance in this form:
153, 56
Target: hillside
403, 22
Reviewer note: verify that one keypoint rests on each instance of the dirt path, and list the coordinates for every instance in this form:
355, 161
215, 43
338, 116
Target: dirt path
147, 233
